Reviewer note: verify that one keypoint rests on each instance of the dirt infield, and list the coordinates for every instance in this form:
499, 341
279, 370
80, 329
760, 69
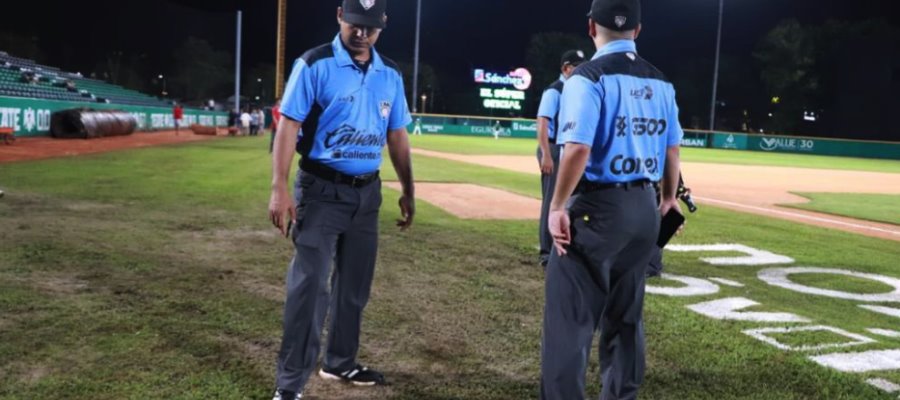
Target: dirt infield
469, 201
746, 188
26, 149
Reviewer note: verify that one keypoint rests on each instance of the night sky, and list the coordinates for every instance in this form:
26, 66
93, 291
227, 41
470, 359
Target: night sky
457, 34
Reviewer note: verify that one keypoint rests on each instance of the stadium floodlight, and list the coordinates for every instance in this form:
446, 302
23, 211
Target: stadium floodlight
712, 112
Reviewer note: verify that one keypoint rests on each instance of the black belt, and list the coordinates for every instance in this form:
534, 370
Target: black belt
329, 174
587, 186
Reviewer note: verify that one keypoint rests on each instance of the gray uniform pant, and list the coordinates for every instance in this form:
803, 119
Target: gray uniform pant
656, 263
548, 185
336, 225
599, 284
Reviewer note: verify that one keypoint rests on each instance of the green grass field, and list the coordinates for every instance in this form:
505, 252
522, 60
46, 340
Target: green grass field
468, 145
872, 207
154, 274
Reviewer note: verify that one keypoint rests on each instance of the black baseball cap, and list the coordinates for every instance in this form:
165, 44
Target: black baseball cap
573, 57
365, 12
617, 15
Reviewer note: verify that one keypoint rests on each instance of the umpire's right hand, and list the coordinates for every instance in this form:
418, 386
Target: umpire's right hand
281, 205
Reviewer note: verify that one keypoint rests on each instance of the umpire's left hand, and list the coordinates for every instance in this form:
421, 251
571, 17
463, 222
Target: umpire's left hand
560, 229
407, 212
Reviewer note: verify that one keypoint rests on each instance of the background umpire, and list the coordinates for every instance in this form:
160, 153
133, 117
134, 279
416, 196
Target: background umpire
620, 128
548, 151
349, 101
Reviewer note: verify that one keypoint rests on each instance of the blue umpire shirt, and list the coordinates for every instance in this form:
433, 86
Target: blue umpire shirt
549, 107
346, 112
624, 109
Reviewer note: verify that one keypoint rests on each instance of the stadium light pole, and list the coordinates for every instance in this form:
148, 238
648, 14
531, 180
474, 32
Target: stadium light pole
712, 112
415, 78
281, 37
237, 63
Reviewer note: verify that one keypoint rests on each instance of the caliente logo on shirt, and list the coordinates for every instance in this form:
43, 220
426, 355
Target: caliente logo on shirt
348, 142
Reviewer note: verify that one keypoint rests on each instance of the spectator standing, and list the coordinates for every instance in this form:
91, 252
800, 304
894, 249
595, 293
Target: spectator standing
245, 123
178, 114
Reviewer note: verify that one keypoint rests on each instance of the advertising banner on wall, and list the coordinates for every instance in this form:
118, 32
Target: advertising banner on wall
527, 128
31, 117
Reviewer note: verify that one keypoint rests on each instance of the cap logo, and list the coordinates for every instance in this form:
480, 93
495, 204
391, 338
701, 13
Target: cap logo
367, 4
620, 20
580, 54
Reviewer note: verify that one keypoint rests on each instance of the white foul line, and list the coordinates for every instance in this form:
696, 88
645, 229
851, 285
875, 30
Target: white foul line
797, 215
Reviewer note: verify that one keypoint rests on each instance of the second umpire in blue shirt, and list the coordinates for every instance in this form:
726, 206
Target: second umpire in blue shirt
619, 124
342, 104
548, 150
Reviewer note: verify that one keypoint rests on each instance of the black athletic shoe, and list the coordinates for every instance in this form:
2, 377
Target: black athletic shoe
281, 394
358, 375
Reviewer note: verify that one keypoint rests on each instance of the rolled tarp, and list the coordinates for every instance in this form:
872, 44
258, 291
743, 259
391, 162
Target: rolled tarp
90, 124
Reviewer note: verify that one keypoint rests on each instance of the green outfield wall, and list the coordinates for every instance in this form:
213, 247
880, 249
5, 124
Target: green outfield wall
523, 128
801, 145
31, 117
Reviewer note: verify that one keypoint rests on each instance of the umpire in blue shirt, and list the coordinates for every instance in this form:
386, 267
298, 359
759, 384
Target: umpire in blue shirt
342, 104
548, 151
619, 124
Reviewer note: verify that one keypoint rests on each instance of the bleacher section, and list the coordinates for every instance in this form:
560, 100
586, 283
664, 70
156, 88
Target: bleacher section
51, 83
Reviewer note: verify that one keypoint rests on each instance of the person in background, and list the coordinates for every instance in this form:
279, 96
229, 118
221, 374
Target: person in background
418, 128
254, 122
233, 119
548, 151
178, 115
262, 121
245, 123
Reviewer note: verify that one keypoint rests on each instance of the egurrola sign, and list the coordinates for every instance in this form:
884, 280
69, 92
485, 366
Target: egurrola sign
511, 91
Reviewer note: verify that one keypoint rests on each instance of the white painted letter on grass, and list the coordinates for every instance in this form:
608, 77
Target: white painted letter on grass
779, 277
695, 287
727, 282
728, 309
894, 312
869, 361
754, 256
762, 334
884, 332
884, 385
